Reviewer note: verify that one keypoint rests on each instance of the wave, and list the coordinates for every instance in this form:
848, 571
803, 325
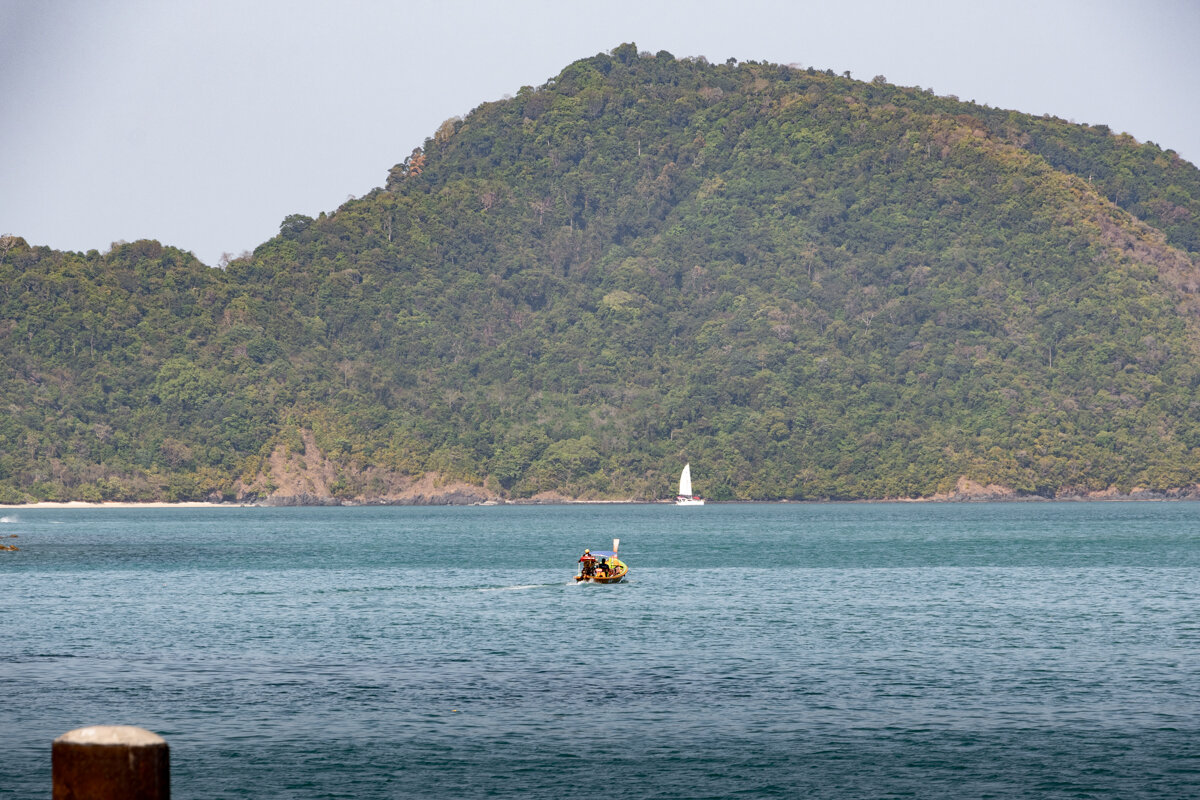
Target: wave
9, 519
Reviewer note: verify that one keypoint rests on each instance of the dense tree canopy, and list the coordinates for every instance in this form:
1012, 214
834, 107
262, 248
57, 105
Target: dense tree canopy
808, 286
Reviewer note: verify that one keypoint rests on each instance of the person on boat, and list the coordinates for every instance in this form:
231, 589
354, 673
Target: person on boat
589, 563
604, 570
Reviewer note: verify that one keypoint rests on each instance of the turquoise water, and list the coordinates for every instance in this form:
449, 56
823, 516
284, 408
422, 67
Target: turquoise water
829, 651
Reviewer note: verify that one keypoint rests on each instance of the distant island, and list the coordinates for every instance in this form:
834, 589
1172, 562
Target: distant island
808, 286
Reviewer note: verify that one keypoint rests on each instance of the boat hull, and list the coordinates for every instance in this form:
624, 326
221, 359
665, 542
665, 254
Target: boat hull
689, 501
615, 577
597, 579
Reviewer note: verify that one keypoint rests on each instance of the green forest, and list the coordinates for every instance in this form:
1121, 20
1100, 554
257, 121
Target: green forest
810, 287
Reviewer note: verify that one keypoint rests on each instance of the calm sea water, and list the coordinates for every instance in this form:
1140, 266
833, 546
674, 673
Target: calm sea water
827, 651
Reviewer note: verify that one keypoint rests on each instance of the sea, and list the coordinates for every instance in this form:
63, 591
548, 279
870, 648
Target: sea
1011, 650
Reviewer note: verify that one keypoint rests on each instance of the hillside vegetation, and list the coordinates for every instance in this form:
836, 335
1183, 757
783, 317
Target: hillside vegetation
808, 286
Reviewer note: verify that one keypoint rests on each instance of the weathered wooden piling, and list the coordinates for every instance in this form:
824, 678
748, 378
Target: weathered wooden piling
111, 762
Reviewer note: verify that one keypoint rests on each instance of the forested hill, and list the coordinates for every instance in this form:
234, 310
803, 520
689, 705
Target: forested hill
808, 286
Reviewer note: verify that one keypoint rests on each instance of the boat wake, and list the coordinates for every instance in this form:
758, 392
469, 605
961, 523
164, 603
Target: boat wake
9, 519
517, 588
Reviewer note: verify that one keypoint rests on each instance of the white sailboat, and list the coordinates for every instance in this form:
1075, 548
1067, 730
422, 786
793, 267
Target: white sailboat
685, 496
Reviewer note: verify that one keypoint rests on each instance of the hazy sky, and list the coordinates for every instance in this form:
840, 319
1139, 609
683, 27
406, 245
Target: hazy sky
203, 123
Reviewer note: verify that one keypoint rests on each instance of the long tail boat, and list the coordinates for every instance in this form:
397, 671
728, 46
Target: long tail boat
608, 568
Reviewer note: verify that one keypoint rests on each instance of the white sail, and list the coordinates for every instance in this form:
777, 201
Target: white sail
685, 481
685, 497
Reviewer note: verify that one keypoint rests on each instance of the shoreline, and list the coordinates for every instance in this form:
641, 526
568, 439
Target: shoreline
431, 491
59, 504
959, 500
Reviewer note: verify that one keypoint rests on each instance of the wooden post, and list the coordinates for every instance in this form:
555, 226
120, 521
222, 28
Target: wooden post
111, 762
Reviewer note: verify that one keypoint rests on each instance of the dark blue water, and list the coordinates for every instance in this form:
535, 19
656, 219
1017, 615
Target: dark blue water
829, 651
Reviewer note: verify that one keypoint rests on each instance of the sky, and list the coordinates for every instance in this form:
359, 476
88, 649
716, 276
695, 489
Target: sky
203, 123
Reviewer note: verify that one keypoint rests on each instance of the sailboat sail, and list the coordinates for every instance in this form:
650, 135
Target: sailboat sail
686, 498
685, 481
